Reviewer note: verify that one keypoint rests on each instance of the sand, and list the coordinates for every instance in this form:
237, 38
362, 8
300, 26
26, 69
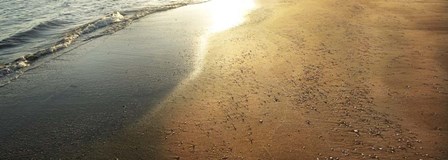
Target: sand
347, 79
88, 93
352, 79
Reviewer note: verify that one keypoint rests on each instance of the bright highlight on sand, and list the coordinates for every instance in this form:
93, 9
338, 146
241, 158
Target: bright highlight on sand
224, 15
229, 13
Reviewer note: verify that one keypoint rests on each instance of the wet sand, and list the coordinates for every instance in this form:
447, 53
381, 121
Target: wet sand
310, 80
67, 103
352, 79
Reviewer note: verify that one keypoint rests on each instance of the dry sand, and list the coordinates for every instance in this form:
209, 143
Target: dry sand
347, 79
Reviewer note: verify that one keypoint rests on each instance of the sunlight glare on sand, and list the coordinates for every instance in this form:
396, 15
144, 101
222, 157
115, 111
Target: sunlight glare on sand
226, 14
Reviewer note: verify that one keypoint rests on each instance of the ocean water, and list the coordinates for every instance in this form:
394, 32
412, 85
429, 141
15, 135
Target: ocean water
31, 29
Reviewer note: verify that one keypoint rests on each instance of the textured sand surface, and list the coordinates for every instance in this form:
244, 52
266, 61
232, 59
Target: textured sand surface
349, 79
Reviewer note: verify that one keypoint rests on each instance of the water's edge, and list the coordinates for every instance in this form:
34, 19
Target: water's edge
77, 36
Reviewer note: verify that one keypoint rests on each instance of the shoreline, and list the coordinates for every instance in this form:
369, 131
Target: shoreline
89, 94
350, 83
12, 67
297, 80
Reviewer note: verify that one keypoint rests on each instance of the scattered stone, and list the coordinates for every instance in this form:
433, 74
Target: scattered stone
308, 122
276, 99
261, 121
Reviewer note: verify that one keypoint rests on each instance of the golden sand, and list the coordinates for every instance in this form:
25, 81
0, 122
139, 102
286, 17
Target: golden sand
348, 79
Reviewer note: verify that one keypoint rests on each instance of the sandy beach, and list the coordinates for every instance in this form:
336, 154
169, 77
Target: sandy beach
347, 79
69, 101
310, 80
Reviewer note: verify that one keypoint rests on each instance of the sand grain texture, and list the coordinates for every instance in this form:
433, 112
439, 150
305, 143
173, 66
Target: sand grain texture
351, 79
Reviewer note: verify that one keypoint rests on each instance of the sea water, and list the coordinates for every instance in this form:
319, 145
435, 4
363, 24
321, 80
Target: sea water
30, 29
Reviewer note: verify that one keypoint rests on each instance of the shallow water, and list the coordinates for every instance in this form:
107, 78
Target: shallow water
62, 108
30, 26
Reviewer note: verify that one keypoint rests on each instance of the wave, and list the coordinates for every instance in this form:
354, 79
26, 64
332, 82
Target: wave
28, 35
106, 25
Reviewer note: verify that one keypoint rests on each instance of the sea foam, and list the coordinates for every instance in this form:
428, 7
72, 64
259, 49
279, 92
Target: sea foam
105, 25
